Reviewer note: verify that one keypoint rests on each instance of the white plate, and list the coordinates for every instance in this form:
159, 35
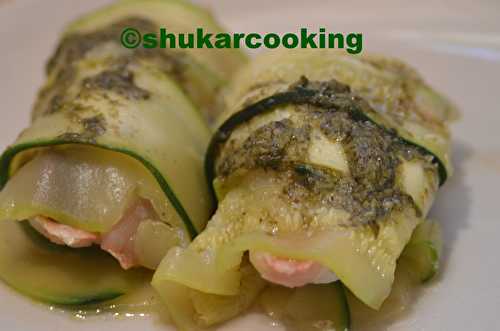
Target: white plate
455, 45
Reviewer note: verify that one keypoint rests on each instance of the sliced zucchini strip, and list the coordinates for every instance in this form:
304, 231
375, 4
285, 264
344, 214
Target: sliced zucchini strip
312, 307
103, 102
398, 303
196, 310
422, 254
352, 211
84, 187
201, 72
59, 275
418, 263
136, 102
256, 216
177, 17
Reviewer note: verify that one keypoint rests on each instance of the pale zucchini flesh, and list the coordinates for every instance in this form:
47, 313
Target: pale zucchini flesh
418, 263
81, 186
255, 216
309, 308
197, 310
397, 304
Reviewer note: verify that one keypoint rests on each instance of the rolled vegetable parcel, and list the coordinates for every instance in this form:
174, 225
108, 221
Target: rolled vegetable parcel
113, 156
323, 165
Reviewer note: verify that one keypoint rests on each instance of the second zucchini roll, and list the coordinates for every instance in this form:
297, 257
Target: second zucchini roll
323, 166
113, 156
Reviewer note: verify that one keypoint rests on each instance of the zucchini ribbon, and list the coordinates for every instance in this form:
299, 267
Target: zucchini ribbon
113, 155
323, 165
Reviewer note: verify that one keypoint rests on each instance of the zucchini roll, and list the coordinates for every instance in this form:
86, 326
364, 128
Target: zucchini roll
109, 174
323, 165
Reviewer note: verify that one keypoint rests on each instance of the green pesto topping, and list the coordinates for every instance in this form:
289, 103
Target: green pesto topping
92, 127
366, 205
95, 125
117, 75
369, 192
74, 47
119, 80
371, 152
270, 146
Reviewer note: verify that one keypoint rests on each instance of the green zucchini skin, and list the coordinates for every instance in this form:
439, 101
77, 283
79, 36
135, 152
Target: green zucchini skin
422, 254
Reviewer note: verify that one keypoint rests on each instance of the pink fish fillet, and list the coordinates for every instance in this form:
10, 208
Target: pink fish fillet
290, 272
62, 234
119, 241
